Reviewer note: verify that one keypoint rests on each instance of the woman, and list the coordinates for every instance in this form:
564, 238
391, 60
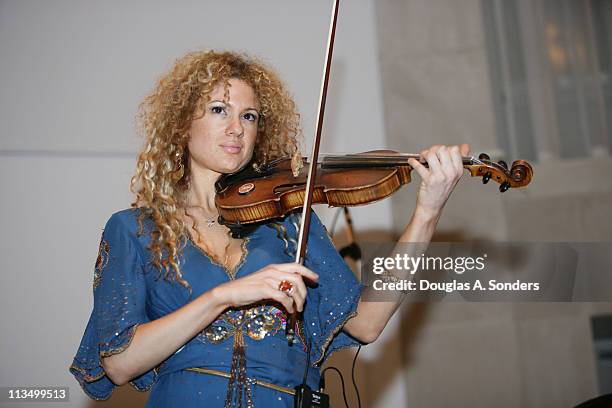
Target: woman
184, 309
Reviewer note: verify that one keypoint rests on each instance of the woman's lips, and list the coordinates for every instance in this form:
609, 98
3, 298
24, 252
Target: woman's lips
231, 149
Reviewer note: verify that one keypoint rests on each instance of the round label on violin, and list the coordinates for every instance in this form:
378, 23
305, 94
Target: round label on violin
246, 188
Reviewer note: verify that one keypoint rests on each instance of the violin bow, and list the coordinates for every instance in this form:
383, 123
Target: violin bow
312, 170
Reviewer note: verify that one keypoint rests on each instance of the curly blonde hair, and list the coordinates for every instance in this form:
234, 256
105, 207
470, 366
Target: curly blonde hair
162, 176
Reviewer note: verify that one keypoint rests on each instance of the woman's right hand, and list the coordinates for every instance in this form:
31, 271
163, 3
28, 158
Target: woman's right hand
263, 285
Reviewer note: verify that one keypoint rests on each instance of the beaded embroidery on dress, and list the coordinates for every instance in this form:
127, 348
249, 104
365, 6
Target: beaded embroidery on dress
256, 323
101, 261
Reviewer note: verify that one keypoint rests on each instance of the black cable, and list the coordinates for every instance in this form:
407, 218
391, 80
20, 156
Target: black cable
322, 383
353, 377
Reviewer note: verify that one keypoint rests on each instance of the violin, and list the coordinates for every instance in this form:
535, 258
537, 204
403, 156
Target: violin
252, 197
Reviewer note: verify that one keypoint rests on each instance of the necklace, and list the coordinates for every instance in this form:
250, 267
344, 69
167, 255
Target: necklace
210, 221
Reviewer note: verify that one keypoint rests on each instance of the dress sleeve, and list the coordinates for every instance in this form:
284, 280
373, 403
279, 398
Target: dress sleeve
333, 301
119, 291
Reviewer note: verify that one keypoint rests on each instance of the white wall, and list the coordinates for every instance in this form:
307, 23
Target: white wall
72, 75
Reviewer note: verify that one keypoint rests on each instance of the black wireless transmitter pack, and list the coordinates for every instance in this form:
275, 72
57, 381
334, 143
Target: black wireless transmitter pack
305, 397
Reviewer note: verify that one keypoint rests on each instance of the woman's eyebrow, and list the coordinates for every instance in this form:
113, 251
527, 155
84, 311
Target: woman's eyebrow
223, 102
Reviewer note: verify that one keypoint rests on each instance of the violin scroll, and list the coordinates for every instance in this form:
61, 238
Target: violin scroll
519, 175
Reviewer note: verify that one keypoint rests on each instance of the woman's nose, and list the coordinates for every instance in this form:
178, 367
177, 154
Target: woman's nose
234, 127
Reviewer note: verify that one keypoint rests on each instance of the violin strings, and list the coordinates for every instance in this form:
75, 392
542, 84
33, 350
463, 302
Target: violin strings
365, 160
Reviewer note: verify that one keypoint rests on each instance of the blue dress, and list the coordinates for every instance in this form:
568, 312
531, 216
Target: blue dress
247, 344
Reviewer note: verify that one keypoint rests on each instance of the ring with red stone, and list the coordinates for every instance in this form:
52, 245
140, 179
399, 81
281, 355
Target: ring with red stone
286, 287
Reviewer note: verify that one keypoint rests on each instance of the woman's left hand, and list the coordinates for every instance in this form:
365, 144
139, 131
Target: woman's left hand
438, 181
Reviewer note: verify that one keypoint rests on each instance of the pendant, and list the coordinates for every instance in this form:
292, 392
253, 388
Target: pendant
210, 221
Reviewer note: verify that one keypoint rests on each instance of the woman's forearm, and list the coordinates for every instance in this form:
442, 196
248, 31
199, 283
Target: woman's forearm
155, 341
372, 317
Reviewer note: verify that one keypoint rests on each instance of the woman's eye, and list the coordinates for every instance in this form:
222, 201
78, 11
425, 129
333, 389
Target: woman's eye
217, 109
250, 117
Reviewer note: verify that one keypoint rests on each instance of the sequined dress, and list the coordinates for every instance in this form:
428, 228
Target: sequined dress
248, 343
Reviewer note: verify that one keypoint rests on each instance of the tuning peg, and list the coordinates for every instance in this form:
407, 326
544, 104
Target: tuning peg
504, 186
503, 164
486, 177
483, 156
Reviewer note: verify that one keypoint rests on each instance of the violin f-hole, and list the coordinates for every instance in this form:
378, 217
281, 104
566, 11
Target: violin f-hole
283, 188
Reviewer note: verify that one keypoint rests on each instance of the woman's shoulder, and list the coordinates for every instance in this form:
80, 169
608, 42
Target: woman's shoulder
133, 221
